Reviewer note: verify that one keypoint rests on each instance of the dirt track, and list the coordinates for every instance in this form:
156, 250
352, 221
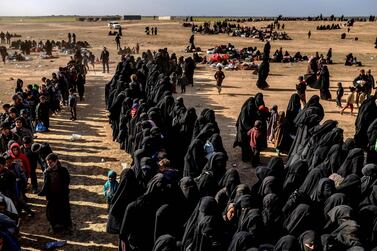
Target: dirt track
89, 160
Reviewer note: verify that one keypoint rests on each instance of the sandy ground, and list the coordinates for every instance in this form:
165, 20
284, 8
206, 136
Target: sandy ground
89, 159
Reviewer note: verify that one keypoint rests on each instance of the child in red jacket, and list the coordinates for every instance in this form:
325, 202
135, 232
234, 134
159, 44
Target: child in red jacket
20, 158
256, 141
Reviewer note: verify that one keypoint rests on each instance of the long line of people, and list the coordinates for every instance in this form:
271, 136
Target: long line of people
179, 194
20, 154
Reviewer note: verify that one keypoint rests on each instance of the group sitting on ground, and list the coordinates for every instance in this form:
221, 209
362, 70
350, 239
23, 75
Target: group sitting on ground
329, 27
351, 60
236, 30
280, 57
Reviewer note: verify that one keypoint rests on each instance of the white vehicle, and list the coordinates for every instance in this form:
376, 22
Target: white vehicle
114, 25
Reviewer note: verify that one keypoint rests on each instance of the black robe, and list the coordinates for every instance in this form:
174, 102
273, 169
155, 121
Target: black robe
245, 122
367, 114
56, 190
126, 193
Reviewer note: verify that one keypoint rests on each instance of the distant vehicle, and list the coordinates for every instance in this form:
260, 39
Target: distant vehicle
114, 25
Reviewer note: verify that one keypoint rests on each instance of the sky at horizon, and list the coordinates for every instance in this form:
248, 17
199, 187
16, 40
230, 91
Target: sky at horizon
188, 8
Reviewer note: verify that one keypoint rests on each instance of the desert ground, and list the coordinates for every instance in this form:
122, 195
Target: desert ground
89, 159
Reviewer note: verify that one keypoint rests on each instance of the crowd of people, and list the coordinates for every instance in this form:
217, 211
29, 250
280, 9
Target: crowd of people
329, 27
183, 197
5, 38
151, 31
21, 154
236, 30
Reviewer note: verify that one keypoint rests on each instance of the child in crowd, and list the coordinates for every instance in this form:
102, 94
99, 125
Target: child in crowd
110, 187
272, 123
350, 100
173, 81
301, 89
72, 102
219, 77
256, 141
339, 95
182, 82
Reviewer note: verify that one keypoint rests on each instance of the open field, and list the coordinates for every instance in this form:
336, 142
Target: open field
90, 159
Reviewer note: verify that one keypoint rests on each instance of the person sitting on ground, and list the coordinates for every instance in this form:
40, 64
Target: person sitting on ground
349, 60
287, 58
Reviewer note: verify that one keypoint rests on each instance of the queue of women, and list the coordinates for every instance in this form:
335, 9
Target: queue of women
180, 194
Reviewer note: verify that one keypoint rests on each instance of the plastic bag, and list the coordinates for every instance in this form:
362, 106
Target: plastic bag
40, 127
55, 244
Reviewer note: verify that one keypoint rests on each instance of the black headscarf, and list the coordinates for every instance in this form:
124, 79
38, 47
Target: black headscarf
295, 176
324, 190
367, 114
276, 166
311, 181
353, 163
209, 232
241, 241
269, 185
190, 192
240, 190
351, 187
165, 243
367, 218
347, 234
287, 243
293, 108
340, 214
299, 220
207, 206
248, 115
261, 172
228, 183
311, 238
208, 181
369, 178
271, 215
252, 222
334, 200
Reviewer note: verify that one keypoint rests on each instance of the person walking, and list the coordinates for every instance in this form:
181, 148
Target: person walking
105, 55
117, 41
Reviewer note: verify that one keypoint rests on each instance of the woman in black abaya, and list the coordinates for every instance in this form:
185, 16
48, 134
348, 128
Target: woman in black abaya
245, 122
324, 79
